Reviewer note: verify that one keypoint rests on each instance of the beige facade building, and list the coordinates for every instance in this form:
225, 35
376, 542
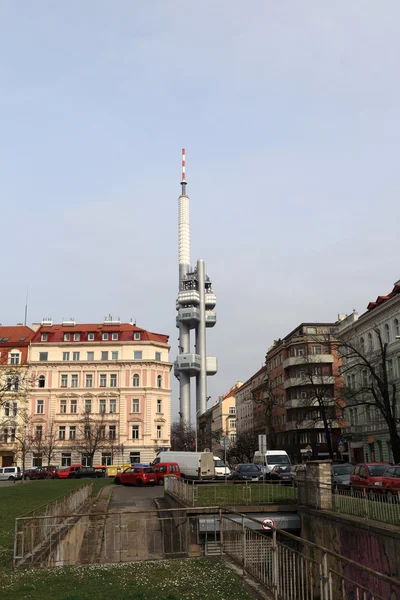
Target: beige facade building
223, 420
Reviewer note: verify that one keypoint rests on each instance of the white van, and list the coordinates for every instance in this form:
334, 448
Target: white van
270, 459
220, 468
10, 473
192, 465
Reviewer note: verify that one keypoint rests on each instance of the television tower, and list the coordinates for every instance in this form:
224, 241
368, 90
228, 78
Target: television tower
195, 305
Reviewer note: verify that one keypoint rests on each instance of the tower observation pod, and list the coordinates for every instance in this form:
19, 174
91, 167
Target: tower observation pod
196, 311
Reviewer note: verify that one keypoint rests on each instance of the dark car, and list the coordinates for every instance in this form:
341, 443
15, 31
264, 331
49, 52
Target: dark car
41, 473
246, 472
279, 474
88, 472
341, 475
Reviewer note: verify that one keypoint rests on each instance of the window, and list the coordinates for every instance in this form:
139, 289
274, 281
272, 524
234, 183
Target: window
112, 432
320, 437
43, 337
134, 458
103, 405
76, 355
114, 336
88, 405
114, 355
135, 406
15, 409
65, 355
90, 337
390, 368
90, 356
7, 409
67, 337
159, 432
13, 434
74, 381
370, 342
38, 432
64, 380
77, 337
362, 344
136, 380
74, 404
103, 380
5, 435
232, 410
42, 381
106, 459
232, 423
396, 328
135, 432
113, 405
36, 460
137, 355
105, 336
72, 432
66, 459
232, 437
43, 356
40, 407
159, 406
63, 406
159, 381
104, 356
299, 351
89, 381
85, 460
312, 330
113, 380
14, 358
387, 333
158, 355
304, 438
136, 336
365, 377
102, 432
61, 432
87, 432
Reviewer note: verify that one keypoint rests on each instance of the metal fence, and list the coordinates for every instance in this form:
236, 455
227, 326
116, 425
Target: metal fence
381, 506
238, 494
35, 530
291, 568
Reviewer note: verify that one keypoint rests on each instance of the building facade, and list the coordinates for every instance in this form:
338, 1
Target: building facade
367, 432
244, 408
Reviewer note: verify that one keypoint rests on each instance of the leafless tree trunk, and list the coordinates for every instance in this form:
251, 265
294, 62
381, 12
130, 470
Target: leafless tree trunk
91, 435
183, 437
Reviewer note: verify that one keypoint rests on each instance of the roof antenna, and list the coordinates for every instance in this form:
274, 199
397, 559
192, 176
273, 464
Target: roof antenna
183, 182
26, 305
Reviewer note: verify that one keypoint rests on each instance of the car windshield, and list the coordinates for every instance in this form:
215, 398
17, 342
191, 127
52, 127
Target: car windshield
377, 470
219, 463
278, 459
248, 468
343, 470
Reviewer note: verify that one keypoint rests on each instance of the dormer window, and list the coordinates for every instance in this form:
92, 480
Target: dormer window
67, 337
90, 337
105, 337
77, 337
115, 336
136, 335
44, 337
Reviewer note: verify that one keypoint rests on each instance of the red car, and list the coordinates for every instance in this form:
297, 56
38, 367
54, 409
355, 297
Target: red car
162, 470
391, 482
367, 477
41, 473
66, 472
136, 476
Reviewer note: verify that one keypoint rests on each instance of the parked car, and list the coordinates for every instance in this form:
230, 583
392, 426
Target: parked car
66, 472
10, 473
162, 470
89, 472
367, 477
391, 482
246, 472
136, 476
279, 474
192, 465
221, 469
27, 472
39, 473
341, 475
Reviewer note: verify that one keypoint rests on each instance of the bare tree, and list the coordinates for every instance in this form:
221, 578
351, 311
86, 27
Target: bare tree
244, 448
115, 448
267, 396
47, 443
91, 435
183, 437
370, 381
22, 437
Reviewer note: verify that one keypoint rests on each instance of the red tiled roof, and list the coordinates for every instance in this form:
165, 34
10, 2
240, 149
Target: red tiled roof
14, 334
126, 332
382, 299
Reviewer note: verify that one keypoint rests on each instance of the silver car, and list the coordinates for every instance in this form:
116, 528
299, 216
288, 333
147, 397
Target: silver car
10, 473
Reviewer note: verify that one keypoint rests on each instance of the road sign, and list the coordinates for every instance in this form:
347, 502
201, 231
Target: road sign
225, 442
267, 524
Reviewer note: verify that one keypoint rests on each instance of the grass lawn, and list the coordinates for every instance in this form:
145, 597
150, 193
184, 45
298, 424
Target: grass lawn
243, 494
16, 500
194, 579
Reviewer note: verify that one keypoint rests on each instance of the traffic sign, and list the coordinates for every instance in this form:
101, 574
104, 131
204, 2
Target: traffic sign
267, 524
225, 442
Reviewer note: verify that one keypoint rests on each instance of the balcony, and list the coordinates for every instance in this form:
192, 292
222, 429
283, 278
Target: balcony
306, 360
367, 428
188, 297
309, 424
211, 365
190, 316
305, 402
211, 318
305, 380
188, 363
210, 299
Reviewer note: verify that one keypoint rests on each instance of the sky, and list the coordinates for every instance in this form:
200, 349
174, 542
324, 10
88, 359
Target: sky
289, 113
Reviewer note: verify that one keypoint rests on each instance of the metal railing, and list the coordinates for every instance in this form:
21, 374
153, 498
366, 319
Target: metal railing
292, 568
371, 504
34, 529
232, 494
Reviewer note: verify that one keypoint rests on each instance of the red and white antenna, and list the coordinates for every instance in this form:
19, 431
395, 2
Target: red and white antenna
183, 165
